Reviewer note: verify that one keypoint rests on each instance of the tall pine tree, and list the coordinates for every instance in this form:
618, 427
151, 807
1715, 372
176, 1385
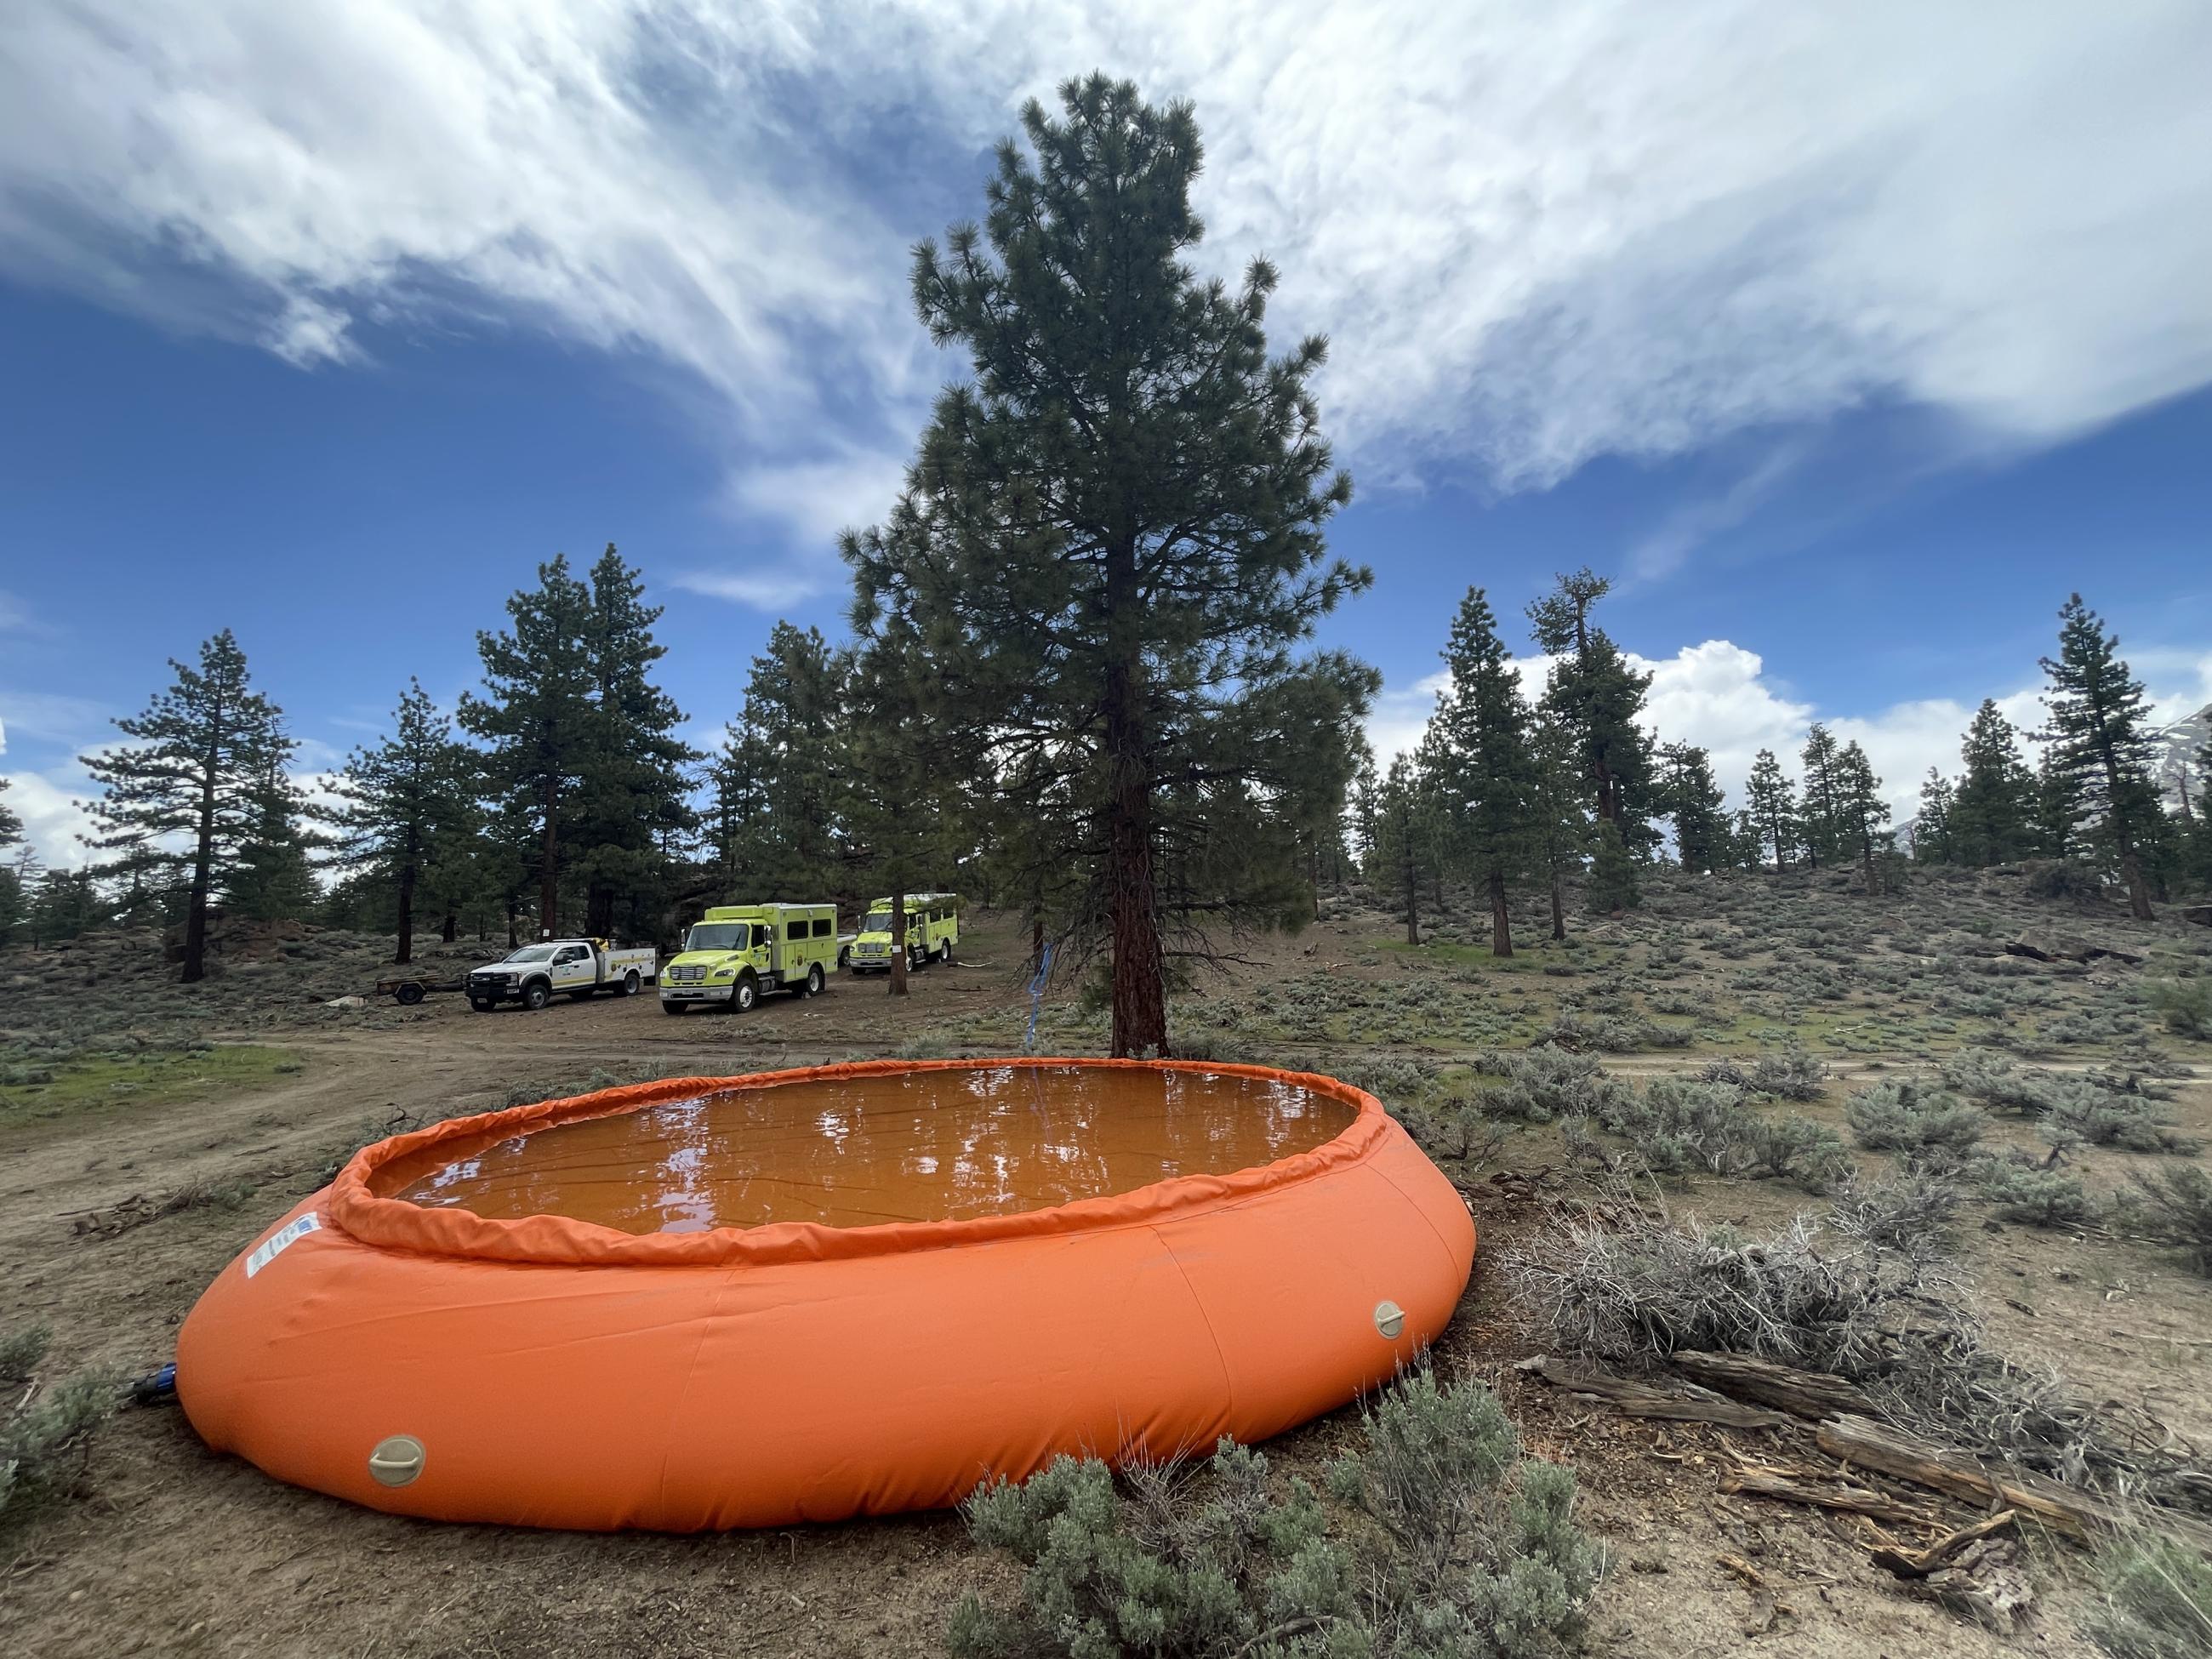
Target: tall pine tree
2100, 740
1688, 795
1823, 824
1484, 769
633, 791
1933, 840
181, 798
1862, 814
1400, 864
1599, 696
1993, 811
538, 717
1112, 536
1771, 798
406, 805
782, 772
275, 879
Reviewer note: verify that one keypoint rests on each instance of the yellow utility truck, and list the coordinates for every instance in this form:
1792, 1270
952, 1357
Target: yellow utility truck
736, 953
932, 928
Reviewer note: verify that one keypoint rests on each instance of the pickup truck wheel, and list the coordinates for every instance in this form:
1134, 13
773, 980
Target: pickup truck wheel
482, 1005
746, 995
814, 981
671, 1008
630, 983
536, 996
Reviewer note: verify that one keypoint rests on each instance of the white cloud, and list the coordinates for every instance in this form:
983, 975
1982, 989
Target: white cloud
816, 499
52, 717
1536, 234
52, 820
763, 590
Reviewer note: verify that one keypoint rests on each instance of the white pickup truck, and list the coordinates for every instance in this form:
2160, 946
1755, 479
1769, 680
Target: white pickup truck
531, 974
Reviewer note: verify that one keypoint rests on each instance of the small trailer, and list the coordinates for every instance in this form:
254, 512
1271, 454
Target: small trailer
578, 968
411, 988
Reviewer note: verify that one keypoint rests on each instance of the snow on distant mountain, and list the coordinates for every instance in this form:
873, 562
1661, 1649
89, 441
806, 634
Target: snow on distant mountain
2179, 757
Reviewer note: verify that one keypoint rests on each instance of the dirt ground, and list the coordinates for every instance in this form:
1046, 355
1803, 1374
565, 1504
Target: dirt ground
170, 1549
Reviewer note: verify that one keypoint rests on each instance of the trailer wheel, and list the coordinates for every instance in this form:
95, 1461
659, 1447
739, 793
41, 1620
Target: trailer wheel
537, 994
631, 982
814, 981
409, 993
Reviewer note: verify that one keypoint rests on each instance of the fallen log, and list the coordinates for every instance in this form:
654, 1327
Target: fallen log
1814, 1395
2078, 1514
1681, 1403
1841, 1496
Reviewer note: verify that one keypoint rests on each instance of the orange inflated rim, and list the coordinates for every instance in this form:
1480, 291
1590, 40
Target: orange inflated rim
392, 1223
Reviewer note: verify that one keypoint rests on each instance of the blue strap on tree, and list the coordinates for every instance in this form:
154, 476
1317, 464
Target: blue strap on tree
1037, 997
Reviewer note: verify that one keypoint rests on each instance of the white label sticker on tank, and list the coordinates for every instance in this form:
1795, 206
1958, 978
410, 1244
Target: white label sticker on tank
275, 1245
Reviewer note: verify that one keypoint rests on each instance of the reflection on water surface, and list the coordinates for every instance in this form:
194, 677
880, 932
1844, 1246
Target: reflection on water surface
854, 1151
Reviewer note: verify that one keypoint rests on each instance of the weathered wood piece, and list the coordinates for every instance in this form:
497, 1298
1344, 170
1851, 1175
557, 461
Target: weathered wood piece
2078, 1514
1837, 1495
1814, 1395
1680, 1403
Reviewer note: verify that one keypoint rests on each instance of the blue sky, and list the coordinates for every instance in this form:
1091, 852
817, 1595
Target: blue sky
1849, 345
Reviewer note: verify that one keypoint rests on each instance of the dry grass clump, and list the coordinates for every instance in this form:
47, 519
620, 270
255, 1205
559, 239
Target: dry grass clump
2157, 1602
1842, 1292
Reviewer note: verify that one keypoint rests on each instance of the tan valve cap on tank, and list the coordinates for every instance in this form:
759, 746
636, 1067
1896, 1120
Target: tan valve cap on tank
396, 1461
1390, 1319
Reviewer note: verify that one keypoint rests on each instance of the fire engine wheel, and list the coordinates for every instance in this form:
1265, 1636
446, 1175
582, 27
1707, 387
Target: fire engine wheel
746, 995
814, 981
630, 983
944, 950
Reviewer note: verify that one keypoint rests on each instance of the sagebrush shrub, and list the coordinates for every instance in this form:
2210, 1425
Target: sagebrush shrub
2175, 1205
1905, 1114
1545, 1084
1679, 1125
2028, 1192
2183, 1005
1457, 1548
42, 1441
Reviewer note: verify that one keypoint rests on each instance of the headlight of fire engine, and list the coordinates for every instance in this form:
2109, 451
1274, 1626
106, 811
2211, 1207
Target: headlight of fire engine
725, 973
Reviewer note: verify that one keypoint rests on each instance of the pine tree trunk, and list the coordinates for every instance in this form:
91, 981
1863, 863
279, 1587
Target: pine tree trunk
2138, 888
1501, 924
1313, 876
514, 937
452, 929
549, 863
1559, 902
599, 911
196, 906
1141, 1012
1412, 892
407, 913
897, 987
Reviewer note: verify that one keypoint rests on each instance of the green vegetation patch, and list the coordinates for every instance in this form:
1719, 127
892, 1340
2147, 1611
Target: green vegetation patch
35, 1088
